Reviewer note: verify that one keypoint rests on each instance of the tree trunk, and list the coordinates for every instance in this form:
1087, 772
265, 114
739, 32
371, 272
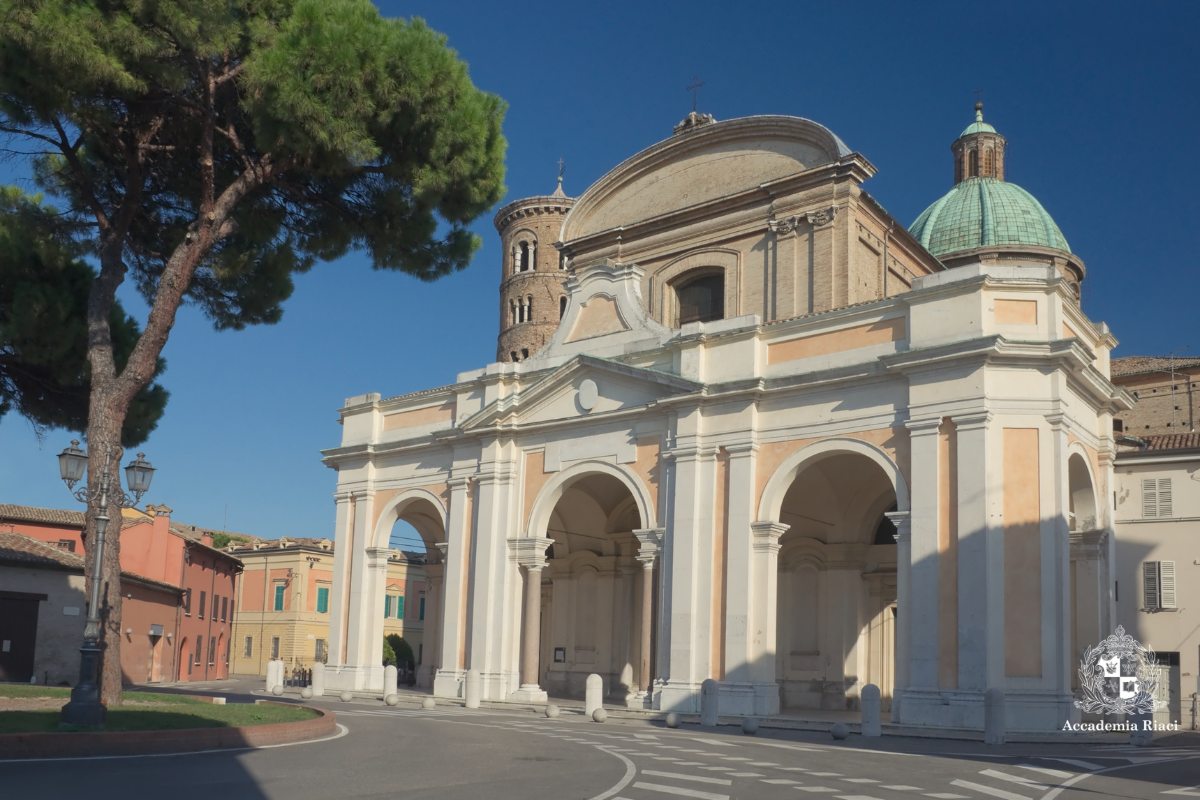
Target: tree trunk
104, 435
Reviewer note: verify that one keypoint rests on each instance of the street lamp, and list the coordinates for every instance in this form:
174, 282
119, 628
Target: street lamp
85, 707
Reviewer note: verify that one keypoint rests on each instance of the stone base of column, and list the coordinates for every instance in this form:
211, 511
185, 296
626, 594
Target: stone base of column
738, 699
640, 700
679, 696
342, 678
954, 708
449, 683
425, 675
530, 693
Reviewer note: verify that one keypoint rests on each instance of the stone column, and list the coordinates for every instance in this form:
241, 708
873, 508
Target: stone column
764, 618
980, 549
492, 617
649, 544
530, 554
740, 566
922, 622
451, 660
343, 552
432, 631
903, 606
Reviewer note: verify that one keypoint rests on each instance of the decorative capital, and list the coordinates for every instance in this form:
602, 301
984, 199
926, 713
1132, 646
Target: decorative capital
974, 419
926, 426
742, 449
822, 217
783, 226
903, 522
530, 551
649, 544
377, 557
765, 536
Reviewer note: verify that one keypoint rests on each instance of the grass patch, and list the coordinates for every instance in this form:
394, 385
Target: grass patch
146, 711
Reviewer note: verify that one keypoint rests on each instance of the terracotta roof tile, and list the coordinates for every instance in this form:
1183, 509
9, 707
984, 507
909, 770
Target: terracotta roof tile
1172, 441
51, 516
18, 549
1138, 365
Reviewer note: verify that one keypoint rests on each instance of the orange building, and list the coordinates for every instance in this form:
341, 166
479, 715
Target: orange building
157, 552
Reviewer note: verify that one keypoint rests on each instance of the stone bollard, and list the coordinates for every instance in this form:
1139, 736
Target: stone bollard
318, 680
473, 688
1143, 733
749, 726
839, 731
428, 703
994, 723
306, 693
871, 719
551, 711
277, 690
673, 720
270, 681
392, 699
708, 703
390, 678
593, 697
599, 715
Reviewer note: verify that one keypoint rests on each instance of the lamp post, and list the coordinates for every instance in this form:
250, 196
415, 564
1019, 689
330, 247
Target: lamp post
85, 707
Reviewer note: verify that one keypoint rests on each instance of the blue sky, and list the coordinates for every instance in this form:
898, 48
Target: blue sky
1097, 101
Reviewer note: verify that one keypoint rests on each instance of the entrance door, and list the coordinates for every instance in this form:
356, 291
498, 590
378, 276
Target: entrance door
18, 637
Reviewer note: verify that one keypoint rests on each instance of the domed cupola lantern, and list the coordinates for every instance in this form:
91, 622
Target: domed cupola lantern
984, 219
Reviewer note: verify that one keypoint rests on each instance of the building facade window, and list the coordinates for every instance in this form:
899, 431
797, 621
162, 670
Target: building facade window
278, 597
187, 602
701, 299
387, 606
1157, 498
212, 650
1158, 585
224, 608
274, 647
248, 649
421, 609
562, 307
202, 604
974, 161
216, 607
322, 600
184, 653
400, 607
199, 649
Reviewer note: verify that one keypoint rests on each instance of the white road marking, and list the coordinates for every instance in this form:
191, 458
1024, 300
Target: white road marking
763, 764
644, 736
630, 772
901, 788
856, 797
1076, 763
794, 769
860, 780
664, 758
827, 774
780, 781
717, 742
718, 769
947, 796
1186, 792
679, 776
734, 758
1057, 773
979, 787
746, 774
1004, 776
658, 787
695, 764
814, 788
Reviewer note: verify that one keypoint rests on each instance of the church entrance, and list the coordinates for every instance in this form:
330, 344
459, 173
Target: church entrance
837, 584
594, 593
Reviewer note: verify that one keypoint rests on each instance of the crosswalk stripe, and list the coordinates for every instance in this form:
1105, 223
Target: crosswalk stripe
1057, 773
1186, 791
780, 781
681, 777
947, 796
814, 788
1077, 763
856, 797
658, 787
979, 787
901, 788
1004, 776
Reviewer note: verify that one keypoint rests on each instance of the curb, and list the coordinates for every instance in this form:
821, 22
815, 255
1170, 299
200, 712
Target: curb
186, 740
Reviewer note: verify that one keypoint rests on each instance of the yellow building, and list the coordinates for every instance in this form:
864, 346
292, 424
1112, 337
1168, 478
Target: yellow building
283, 606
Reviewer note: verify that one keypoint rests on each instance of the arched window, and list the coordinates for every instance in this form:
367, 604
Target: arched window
958, 169
974, 163
529, 309
987, 162
526, 257
514, 356
512, 309
524, 354
562, 307
701, 299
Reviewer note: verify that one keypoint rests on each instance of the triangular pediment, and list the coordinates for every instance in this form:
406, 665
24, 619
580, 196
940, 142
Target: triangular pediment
585, 386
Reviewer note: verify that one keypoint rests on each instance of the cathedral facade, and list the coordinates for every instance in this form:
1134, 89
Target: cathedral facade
744, 425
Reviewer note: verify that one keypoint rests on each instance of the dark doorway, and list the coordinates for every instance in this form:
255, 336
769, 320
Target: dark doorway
702, 299
18, 637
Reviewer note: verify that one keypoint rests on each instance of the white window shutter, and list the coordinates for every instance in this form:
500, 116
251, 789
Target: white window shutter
1149, 498
1166, 584
1164, 498
1150, 584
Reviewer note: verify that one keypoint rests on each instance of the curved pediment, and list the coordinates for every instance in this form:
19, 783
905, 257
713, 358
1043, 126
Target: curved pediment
711, 162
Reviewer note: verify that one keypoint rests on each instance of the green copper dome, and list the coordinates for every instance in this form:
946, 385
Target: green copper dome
981, 212
978, 126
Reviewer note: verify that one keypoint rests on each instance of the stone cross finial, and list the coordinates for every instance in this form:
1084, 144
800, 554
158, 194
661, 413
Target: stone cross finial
695, 90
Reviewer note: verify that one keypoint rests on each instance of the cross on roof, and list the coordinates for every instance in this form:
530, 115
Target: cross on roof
695, 90
561, 169
978, 93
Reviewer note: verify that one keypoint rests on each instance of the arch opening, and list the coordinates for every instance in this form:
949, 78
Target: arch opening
837, 583
1082, 510
592, 589
700, 297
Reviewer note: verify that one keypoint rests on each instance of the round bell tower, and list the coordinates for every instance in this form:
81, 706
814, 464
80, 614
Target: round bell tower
532, 293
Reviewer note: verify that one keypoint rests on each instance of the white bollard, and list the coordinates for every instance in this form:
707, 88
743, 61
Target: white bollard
994, 723
871, 714
270, 681
473, 688
1142, 734
593, 697
318, 679
390, 677
708, 703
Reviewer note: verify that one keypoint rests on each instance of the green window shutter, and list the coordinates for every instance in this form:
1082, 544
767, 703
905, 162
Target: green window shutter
400, 607
322, 600
387, 606
279, 598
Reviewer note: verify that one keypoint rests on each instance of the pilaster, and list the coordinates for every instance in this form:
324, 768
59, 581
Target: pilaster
456, 557
487, 588
903, 522
923, 633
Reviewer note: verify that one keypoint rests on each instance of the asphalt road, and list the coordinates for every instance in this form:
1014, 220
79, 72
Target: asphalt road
454, 754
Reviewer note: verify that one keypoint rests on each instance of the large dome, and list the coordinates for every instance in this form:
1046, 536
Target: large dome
986, 212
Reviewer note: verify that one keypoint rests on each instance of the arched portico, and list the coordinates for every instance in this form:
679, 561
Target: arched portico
1091, 561
587, 529
835, 502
